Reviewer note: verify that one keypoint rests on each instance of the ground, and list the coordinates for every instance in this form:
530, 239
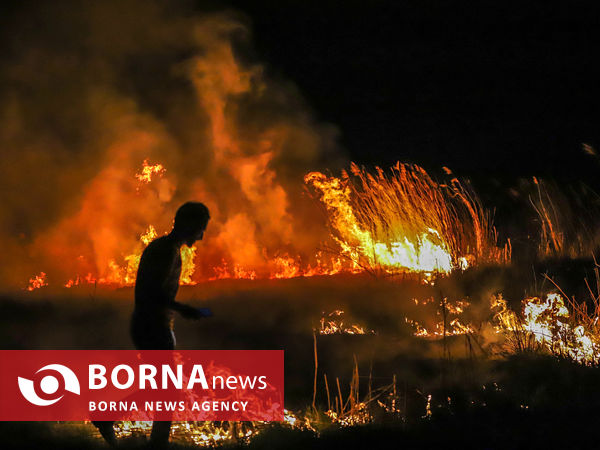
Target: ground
480, 397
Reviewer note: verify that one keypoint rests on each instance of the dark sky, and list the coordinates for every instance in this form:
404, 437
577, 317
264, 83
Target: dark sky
481, 87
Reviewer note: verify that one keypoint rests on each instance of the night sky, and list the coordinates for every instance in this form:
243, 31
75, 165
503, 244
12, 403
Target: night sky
481, 87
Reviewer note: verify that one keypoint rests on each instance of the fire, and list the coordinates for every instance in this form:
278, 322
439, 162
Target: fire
419, 255
204, 434
239, 143
125, 275
222, 272
211, 434
287, 267
358, 416
549, 324
333, 323
451, 323
401, 222
37, 282
149, 235
128, 276
405, 221
187, 264
145, 175
352, 411
89, 279
453, 328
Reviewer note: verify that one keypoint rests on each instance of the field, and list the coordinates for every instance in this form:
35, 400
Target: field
395, 386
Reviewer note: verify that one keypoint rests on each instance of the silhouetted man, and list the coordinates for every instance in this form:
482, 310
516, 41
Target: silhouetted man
156, 286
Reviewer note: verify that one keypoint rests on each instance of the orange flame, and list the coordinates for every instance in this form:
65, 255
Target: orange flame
405, 221
399, 222
451, 322
333, 323
145, 175
37, 282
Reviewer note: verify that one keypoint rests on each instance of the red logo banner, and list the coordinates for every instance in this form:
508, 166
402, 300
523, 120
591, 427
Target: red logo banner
199, 385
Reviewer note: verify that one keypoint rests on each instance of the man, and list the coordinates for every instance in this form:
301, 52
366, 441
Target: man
157, 281
156, 286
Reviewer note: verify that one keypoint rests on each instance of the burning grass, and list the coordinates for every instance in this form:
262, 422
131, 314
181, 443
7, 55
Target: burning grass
405, 221
392, 223
341, 412
363, 382
334, 323
381, 223
273, 269
547, 325
450, 320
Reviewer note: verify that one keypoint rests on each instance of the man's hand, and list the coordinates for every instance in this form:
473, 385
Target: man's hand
190, 312
204, 312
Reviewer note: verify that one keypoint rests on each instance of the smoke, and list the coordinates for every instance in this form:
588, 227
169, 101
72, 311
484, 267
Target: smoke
91, 90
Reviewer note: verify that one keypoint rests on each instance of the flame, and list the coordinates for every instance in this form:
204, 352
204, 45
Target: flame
419, 255
204, 434
37, 282
548, 323
453, 328
222, 272
187, 264
210, 434
283, 266
405, 221
400, 222
342, 412
145, 175
451, 324
428, 408
125, 275
358, 416
333, 323
238, 143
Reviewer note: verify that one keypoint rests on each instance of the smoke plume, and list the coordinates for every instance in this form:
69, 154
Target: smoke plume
92, 90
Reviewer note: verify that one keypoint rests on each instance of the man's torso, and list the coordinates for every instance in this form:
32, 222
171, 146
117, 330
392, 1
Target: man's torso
157, 283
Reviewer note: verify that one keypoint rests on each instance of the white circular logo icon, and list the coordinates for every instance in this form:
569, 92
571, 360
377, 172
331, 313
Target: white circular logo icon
49, 385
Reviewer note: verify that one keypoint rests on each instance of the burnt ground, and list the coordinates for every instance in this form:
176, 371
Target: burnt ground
480, 398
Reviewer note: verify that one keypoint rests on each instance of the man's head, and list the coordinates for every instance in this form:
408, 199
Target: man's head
190, 222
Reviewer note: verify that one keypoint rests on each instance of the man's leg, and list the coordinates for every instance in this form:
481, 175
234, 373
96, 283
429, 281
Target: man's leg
107, 431
160, 433
159, 438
